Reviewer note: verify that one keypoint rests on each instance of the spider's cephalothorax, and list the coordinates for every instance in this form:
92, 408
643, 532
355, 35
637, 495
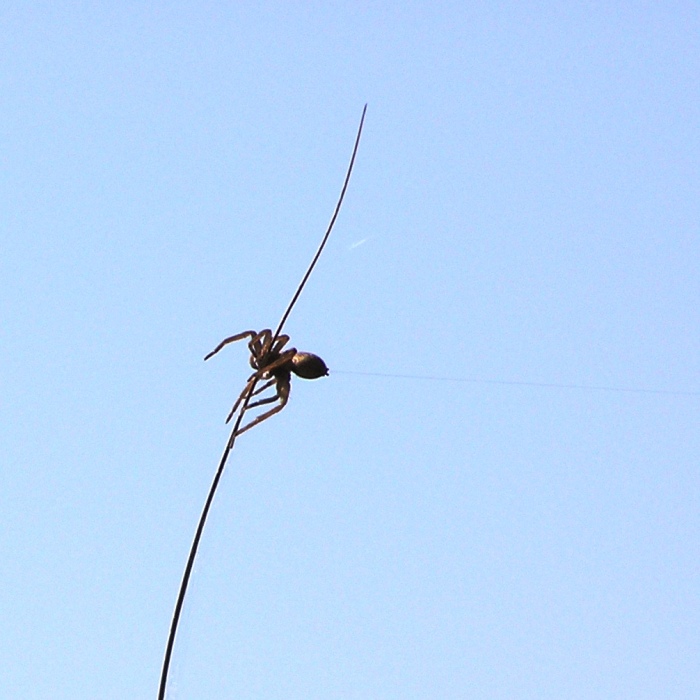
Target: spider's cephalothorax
274, 366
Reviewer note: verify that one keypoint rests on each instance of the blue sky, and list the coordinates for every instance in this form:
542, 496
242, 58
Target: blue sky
524, 210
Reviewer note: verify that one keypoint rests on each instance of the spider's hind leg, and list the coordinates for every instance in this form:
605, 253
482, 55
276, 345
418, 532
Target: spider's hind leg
282, 394
242, 396
253, 378
245, 393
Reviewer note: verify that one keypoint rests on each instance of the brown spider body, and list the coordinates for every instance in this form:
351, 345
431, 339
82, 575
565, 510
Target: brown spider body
308, 366
275, 367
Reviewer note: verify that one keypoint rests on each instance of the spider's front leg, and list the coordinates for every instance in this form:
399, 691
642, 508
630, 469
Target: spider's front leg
263, 351
232, 339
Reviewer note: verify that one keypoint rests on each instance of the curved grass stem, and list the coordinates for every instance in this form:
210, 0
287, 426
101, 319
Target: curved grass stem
232, 438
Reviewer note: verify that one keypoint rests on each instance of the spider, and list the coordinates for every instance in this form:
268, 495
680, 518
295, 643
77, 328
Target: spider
275, 367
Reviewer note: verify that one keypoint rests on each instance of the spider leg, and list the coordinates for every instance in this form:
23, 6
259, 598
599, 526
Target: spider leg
262, 402
255, 377
281, 341
262, 388
283, 388
258, 345
232, 339
261, 345
283, 359
244, 393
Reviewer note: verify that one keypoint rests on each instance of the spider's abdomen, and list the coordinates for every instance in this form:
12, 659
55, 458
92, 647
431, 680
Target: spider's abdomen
308, 366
